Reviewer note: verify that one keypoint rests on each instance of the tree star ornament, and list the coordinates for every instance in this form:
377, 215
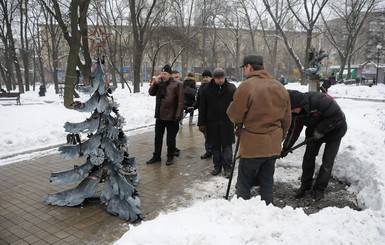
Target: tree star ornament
99, 40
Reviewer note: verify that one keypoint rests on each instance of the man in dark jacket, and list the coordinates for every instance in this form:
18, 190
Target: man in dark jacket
212, 119
168, 112
325, 123
207, 76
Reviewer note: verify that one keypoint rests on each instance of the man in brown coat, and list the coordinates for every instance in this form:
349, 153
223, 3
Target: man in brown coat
168, 112
262, 105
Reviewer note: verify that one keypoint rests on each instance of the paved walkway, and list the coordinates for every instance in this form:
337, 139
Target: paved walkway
24, 219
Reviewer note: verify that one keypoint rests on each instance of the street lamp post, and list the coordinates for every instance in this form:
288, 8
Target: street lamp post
379, 47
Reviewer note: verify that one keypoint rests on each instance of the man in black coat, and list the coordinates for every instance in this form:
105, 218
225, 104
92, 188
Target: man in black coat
325, 123
207, 76
212, 119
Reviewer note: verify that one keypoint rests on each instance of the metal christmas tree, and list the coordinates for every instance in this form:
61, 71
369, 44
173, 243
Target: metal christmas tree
107, 155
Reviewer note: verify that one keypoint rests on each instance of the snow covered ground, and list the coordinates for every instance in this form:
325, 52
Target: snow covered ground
209, 219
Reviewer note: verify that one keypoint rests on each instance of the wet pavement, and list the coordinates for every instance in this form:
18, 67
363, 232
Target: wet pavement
24, 219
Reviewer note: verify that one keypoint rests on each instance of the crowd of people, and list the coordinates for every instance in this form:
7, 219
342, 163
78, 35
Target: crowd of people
264, 117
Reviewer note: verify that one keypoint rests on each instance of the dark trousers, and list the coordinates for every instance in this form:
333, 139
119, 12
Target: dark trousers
308, 164
208, 147
247, 170
172, 129
222, 156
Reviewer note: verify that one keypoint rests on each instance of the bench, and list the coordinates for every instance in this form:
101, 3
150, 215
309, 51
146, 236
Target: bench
11, 96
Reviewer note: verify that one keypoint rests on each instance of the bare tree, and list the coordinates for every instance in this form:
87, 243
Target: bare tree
271, 36
35, 15
234, 24
204, 14
52, 39
312, 11
77, 34
24, 40
186, 30
145, 17
6, 67
344, 32
7, 13
112, 17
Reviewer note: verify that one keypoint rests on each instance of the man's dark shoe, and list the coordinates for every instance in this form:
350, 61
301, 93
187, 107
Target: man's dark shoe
170, 161
318, 195
177, 149
228, 172
216, 171
176, 153
301, 191
154, 160
206, 155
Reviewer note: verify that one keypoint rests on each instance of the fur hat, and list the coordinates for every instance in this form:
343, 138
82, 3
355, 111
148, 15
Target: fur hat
219, 72
167, 69
207, 73
252, 60
190, 74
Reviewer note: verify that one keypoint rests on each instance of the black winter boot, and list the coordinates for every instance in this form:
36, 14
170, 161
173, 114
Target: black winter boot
216, 171
206, 155
154, 159
170, 160
318, 195
301, 191
228, 172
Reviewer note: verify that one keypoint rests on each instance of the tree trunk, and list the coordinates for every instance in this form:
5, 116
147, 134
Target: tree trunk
24, 41
137, 60
13, 55
9, 67
71, 74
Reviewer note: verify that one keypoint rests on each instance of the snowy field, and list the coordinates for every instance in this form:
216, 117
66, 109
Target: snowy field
38, 124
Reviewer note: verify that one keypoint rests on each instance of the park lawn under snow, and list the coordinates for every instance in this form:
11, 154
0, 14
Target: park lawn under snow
209, 219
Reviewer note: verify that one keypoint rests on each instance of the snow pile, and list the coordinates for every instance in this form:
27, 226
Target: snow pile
252, 222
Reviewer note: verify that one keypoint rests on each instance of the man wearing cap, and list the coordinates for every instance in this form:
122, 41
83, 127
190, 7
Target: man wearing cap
206, 77
168, 112
325, 123
213, 120
262, 105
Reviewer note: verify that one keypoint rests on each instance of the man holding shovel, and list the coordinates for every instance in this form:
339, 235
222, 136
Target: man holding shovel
262, 105
325, 123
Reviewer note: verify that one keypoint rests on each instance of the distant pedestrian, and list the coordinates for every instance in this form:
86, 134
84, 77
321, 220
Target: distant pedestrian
325, 85
262, 105
190, 92
283, 80
168, 112
212, 119
332, 79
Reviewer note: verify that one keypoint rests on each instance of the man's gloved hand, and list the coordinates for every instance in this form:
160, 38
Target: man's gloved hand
178, 119
202, 128
190, 109
317, 135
